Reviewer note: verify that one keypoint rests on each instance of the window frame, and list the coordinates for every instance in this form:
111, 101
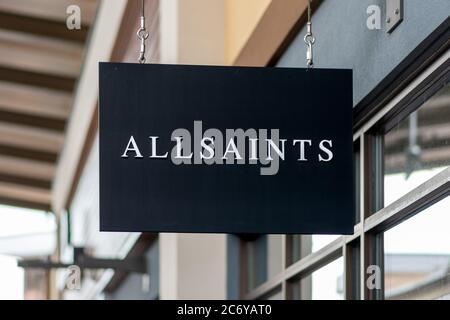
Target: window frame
374, 218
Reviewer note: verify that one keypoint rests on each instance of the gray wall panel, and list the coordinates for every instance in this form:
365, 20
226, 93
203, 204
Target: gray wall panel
344, 41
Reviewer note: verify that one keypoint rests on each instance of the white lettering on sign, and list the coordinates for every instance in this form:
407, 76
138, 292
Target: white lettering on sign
239, 146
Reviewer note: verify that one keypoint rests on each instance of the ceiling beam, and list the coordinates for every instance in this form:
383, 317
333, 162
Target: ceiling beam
24, 204
54, 10
40, 62
53, 29
37, 155
30, 138
42, 184
34, 101
26, 168
24, 193
33, 121
37, 79
40, 54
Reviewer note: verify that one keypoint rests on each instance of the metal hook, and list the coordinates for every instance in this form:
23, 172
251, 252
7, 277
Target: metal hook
309, 40
142, 35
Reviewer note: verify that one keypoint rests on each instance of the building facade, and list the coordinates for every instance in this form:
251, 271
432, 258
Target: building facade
400, 247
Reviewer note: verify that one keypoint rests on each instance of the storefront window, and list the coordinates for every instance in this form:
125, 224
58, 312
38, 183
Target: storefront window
325, 283
418, 147
301, 246
411, 250
263, 259
417, 255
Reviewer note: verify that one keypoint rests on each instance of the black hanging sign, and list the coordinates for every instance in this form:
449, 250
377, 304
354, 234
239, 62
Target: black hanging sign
225, 149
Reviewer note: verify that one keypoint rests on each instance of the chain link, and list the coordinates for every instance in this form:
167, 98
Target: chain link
142, 35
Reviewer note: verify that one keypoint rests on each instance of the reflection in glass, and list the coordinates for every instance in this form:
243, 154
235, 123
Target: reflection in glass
417, 255
418, 147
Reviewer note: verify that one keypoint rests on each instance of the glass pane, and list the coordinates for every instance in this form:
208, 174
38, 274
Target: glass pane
264, 259
417, 255
418, 147
299, 246
321, 240
325, 283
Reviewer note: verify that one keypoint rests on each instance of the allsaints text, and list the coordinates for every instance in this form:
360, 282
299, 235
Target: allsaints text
235, 147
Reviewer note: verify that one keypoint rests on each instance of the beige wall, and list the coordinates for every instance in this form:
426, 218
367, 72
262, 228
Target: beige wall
207, 31
201, 30
241, 18
192, 32
192, 266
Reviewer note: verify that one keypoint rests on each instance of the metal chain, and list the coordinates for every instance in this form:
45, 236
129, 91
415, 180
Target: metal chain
309, 39
142, 35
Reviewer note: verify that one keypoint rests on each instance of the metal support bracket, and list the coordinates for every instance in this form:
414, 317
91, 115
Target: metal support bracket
84, 261
394, 14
